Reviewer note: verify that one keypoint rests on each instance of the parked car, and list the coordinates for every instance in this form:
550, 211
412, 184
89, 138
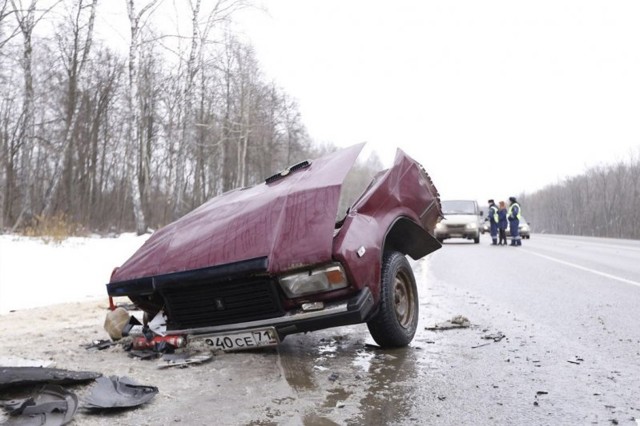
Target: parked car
254, 265
486, 227
462, 219
524, 229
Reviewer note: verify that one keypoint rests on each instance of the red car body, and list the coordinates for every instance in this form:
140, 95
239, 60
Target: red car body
219, 268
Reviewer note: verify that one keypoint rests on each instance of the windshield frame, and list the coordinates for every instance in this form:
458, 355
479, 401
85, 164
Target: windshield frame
459, 207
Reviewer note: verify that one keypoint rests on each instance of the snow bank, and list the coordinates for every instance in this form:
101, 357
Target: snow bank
34, 274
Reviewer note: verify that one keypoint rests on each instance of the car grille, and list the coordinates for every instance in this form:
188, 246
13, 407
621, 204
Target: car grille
456, 227
206, 303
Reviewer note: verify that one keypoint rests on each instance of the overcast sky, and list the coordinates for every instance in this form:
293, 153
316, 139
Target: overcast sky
493, 98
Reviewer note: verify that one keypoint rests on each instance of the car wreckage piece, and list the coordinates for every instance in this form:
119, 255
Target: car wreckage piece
11, 377
253, 265
117, 393
52, 405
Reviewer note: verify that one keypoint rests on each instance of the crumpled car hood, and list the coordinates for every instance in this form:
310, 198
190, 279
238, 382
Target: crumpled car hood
290, 221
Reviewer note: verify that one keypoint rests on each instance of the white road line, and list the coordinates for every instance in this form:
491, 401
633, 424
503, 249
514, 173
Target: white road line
593, 271
591, 243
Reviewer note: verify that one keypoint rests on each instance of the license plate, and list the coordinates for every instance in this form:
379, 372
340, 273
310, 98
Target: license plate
244, 340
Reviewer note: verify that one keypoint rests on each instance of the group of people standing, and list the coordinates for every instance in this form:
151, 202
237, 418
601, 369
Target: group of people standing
499, 216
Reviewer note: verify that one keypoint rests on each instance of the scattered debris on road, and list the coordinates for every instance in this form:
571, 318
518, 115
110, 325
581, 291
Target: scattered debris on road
184, 359
479, 346
51, 405
496, 337
577, 360
118, 392
99, 344
23, 376
458, 321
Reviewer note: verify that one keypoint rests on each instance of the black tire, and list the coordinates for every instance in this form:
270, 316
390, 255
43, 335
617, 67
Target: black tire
476, 240
395, 323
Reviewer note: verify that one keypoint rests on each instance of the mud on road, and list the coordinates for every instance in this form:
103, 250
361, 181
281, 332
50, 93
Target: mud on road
327, 377
506, 367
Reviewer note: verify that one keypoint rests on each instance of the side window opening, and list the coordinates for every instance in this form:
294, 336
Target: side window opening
361, 176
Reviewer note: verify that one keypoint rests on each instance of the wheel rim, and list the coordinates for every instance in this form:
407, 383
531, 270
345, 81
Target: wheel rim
403, 299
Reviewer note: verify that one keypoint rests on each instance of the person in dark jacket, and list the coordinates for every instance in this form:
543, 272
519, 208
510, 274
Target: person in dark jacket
514, 214
492, 216
502, 223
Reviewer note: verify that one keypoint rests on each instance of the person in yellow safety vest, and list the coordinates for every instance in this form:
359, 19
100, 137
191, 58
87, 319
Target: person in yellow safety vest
514, 215
492, 217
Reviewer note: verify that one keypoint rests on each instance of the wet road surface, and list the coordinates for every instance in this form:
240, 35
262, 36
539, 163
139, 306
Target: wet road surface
567, 306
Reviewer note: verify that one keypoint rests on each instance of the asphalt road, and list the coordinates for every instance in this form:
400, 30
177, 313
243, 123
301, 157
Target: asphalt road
569, 310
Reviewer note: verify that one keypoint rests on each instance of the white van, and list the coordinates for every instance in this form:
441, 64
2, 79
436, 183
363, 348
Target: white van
462, 219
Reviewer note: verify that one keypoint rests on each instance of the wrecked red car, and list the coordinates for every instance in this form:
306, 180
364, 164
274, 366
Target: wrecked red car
254, 265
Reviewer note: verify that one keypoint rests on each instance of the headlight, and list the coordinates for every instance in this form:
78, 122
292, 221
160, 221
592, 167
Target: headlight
319, 280
524, 228
472, 225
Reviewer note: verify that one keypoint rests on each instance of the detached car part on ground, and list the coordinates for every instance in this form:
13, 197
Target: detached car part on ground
254, 265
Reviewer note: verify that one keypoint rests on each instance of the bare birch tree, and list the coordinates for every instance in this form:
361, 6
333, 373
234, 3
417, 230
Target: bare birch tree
201, 35
26, 22
134, 108
75, 46
5, 13
119, 142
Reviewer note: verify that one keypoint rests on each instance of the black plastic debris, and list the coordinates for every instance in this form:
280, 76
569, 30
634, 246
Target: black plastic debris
133, 327
118, 392
52, 405
184, 359
146, 354
22, 376
496, 337
99, 344
458, 321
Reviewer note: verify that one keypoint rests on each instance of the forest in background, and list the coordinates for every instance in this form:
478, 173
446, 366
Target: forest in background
95, 138
105, 140
602, 202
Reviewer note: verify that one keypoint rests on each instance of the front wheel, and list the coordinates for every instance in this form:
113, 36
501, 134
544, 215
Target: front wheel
395, 323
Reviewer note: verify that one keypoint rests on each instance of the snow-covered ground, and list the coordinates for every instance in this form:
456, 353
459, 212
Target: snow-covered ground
33, 273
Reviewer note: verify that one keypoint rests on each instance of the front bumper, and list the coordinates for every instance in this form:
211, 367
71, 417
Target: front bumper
353, 311
454, 233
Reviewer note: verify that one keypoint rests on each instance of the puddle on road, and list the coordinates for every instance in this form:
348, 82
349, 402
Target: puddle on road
388, 385
363, 360
347, 381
